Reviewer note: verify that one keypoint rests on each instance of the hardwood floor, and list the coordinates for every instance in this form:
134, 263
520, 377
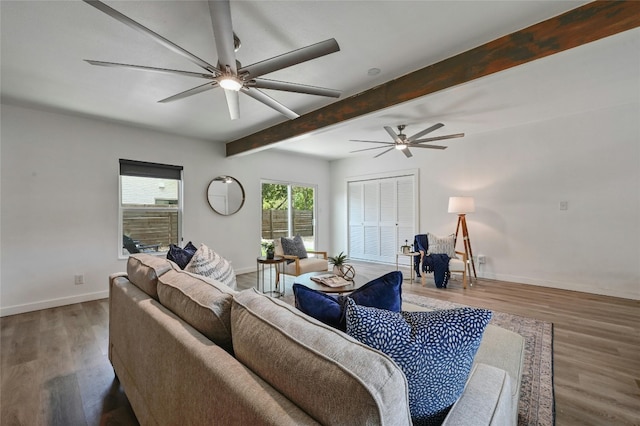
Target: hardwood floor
54, 368
55, 371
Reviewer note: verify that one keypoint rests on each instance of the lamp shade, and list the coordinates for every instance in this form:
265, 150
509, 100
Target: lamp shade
461, 205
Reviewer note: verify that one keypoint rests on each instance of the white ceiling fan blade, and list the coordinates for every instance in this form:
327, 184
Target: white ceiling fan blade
369, 149
220, 12
439, 138
413, 145
291, 58
157, 37
393, 134
358, 140
384, 152
269, 101
425, 131
190, 92
262, 83
233, 102
150, 69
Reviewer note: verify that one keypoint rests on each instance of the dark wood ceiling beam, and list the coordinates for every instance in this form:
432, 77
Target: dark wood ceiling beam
579, 26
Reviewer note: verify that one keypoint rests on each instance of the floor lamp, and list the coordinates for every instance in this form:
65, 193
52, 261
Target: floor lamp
462, 206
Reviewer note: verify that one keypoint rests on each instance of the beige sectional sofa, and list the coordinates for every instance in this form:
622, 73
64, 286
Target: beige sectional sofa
190, 351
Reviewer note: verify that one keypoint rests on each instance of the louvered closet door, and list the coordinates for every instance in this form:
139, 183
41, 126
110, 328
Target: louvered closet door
387, 225
370, 220
381, 217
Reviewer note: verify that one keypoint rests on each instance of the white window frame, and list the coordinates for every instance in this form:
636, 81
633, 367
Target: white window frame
121, 208
290, 207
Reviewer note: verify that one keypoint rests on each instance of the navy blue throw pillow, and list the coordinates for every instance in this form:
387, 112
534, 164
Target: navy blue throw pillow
384, 292
181, 256
435, 350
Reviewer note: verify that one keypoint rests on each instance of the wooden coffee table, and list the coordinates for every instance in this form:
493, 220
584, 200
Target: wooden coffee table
305, 280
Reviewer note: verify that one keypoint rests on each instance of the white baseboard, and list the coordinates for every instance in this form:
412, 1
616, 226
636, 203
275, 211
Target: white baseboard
563, 285
247, 270
52, 303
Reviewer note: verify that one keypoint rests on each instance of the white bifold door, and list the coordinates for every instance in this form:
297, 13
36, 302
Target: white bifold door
382, 216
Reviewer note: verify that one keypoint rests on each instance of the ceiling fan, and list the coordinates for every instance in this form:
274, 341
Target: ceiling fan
229, 74
403, 143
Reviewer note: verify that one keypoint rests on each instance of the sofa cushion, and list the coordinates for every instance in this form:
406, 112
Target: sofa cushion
203, 303
181, 256
486, 399
434, 349
384, 292
210, 264
334, 378
504, 349
143, 271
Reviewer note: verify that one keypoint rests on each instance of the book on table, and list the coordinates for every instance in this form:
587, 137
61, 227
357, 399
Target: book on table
330, 280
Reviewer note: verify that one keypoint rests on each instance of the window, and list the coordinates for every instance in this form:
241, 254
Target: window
150, 206
288, 210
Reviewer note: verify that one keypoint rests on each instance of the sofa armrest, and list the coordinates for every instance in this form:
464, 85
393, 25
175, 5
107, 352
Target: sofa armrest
486, 399
118, 276
112, 277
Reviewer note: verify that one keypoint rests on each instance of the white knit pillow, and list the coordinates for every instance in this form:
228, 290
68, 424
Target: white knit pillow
444, 245
210, 264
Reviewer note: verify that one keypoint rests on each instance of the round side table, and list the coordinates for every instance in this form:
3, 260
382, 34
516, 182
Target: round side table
278, 262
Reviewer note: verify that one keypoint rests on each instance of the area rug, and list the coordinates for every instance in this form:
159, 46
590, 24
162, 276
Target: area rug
536, 405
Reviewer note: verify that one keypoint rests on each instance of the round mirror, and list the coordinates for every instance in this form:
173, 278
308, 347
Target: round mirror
225, 195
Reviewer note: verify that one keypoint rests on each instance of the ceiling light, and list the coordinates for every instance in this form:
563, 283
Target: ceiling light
373, 71
230, 83
401, 146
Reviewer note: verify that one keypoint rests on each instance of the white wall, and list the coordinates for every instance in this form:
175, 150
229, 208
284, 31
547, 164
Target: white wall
518, 177
59, 205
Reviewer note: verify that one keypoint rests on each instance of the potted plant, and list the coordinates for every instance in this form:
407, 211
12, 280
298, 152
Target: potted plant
268, 248
338, 262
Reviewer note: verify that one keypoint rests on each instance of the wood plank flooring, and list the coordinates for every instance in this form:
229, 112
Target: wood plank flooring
54, 368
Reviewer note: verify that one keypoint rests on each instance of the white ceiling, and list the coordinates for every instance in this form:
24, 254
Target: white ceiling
44, 43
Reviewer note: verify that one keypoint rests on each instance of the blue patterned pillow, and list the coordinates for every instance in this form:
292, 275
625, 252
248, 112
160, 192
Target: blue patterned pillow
384, 292
181, 256
435, 350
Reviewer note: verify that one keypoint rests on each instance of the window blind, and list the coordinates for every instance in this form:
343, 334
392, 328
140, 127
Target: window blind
153, 170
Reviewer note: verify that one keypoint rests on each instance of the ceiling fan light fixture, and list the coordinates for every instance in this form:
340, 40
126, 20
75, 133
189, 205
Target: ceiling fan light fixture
229, 82
401, 146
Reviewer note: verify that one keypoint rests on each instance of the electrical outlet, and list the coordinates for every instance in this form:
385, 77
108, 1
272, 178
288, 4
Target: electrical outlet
79, 279
482, 259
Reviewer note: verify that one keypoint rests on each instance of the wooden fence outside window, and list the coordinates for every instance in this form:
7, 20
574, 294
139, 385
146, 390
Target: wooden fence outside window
151, 227
275, 223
